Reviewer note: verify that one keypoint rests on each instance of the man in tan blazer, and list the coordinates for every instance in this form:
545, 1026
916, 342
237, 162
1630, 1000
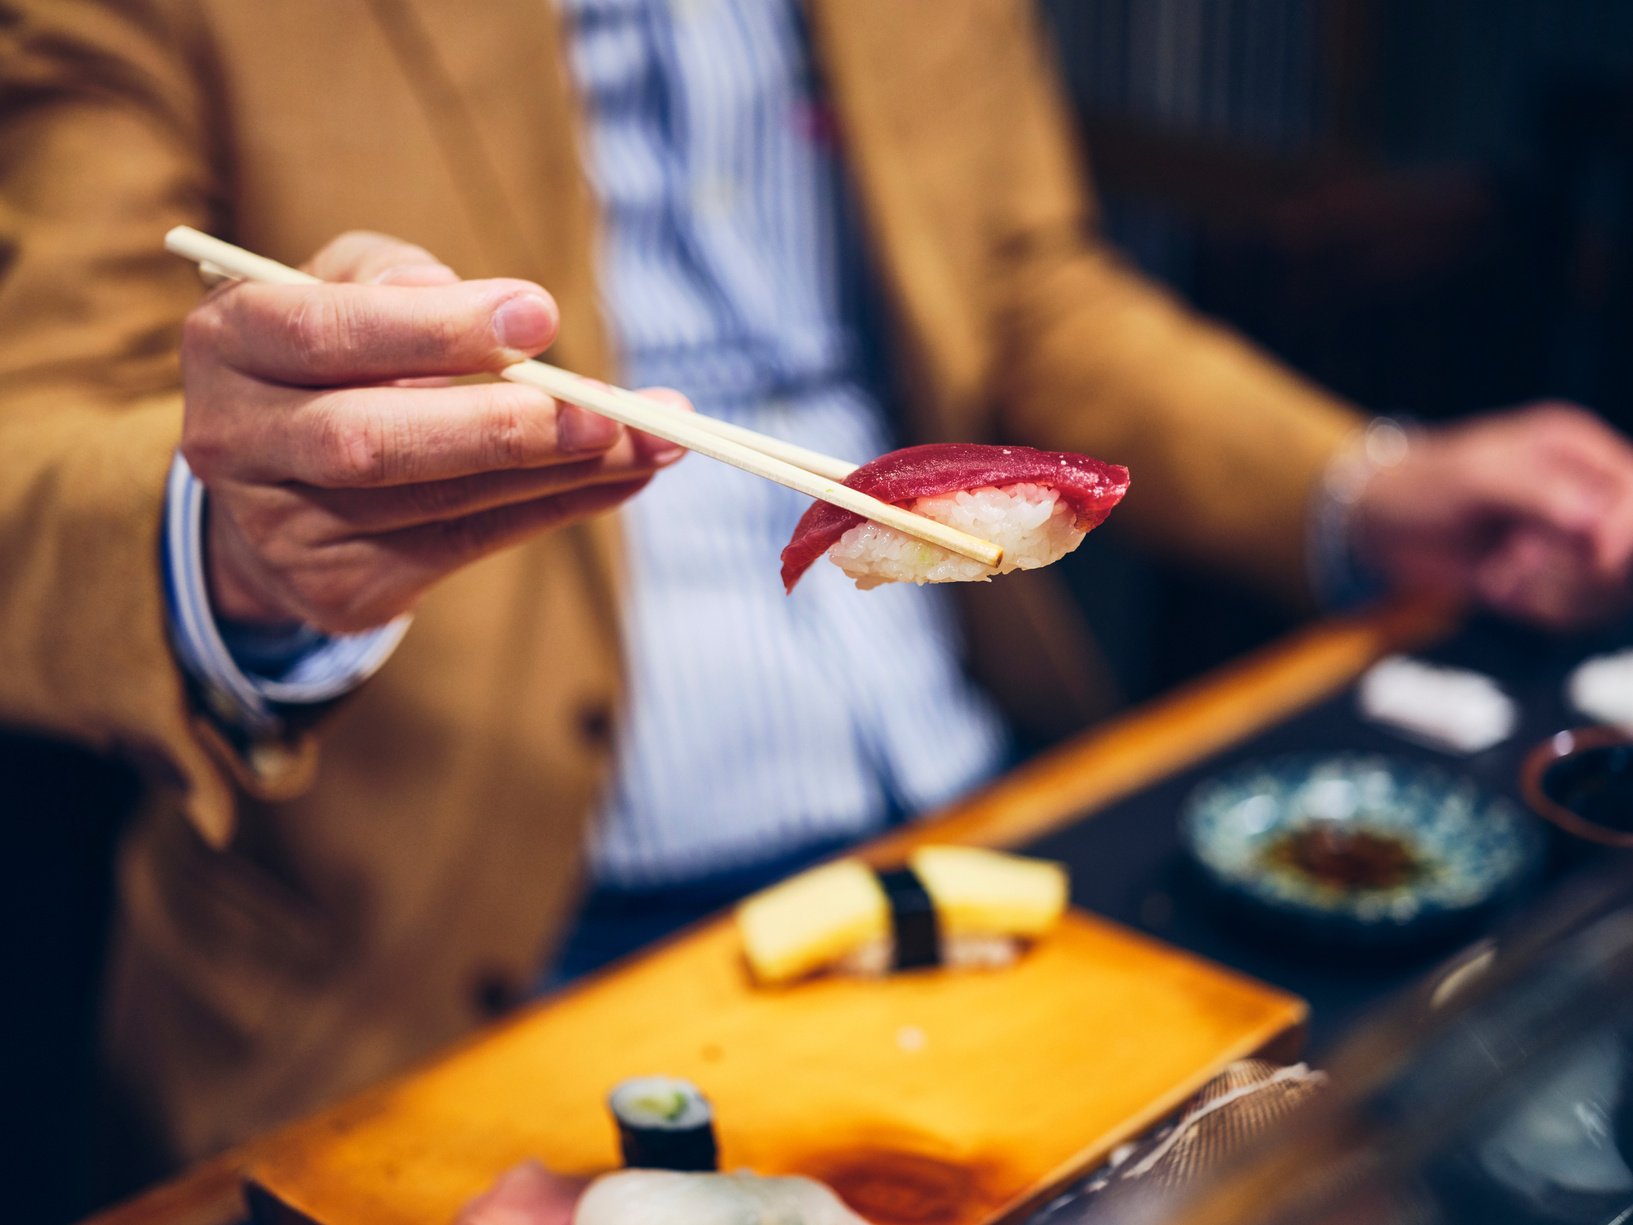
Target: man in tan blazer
300, 913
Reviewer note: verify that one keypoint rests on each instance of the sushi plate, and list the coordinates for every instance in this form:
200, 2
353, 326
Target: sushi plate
959, 1099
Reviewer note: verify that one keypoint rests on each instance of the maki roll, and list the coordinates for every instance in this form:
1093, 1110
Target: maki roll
666, 1128
947, 906
1035, 505
664, 1123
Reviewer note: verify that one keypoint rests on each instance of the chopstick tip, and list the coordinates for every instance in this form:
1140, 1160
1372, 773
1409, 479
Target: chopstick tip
175, 238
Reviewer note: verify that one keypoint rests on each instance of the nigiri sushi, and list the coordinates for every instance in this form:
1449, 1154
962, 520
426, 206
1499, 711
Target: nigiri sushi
1036, 505
951, 906
531, 1193
662, 1197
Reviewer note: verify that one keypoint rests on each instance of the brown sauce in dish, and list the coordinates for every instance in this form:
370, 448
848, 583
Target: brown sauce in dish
1345, 858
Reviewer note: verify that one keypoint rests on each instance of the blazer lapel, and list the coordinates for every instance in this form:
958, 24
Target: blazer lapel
494, 81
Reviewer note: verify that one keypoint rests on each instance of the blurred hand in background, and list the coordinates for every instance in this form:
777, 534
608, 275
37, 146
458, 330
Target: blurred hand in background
1529, 512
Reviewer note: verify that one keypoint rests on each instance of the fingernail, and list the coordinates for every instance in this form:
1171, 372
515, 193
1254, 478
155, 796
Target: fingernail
525, 322
668, 454
578, 429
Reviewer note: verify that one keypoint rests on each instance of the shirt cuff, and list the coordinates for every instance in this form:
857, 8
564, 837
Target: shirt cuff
1340, 578
246, 675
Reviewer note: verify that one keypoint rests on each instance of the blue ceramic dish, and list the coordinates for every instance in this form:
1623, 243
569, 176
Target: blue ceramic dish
1358, 850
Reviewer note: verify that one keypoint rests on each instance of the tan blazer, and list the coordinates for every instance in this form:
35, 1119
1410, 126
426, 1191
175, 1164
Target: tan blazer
308, 916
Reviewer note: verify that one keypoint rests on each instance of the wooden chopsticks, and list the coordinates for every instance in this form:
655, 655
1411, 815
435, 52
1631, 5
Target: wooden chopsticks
809, 472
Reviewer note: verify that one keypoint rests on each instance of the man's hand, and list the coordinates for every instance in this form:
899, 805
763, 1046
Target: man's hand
345, 474
1529, 512
527, 1194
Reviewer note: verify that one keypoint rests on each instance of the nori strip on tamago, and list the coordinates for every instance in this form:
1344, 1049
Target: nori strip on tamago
913, 922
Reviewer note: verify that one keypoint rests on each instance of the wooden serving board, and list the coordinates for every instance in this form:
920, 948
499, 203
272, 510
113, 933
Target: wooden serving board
946, 1098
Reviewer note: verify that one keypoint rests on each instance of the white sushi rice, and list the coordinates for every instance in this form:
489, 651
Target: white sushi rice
966, 951
1030, 522
664, 1197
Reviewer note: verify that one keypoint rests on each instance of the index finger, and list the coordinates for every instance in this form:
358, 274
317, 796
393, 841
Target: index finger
365, 257
337, 335
1587, 436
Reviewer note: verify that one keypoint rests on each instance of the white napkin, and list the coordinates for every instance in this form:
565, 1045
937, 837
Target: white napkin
1447, 708
1602, 689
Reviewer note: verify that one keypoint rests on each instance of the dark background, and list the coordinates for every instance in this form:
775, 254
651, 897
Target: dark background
1426, 205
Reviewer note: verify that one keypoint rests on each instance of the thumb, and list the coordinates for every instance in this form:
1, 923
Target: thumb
527, 1194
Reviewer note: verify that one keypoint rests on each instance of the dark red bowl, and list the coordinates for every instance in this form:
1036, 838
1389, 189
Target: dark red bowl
1582, 781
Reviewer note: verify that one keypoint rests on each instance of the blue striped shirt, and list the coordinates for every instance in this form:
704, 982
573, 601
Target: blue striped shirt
757, 723
731, 269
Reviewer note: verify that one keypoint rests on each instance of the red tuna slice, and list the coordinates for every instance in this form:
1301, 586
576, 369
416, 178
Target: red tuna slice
1091, 487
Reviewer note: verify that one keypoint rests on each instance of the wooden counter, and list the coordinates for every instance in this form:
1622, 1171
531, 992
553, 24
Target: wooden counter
1087, 772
